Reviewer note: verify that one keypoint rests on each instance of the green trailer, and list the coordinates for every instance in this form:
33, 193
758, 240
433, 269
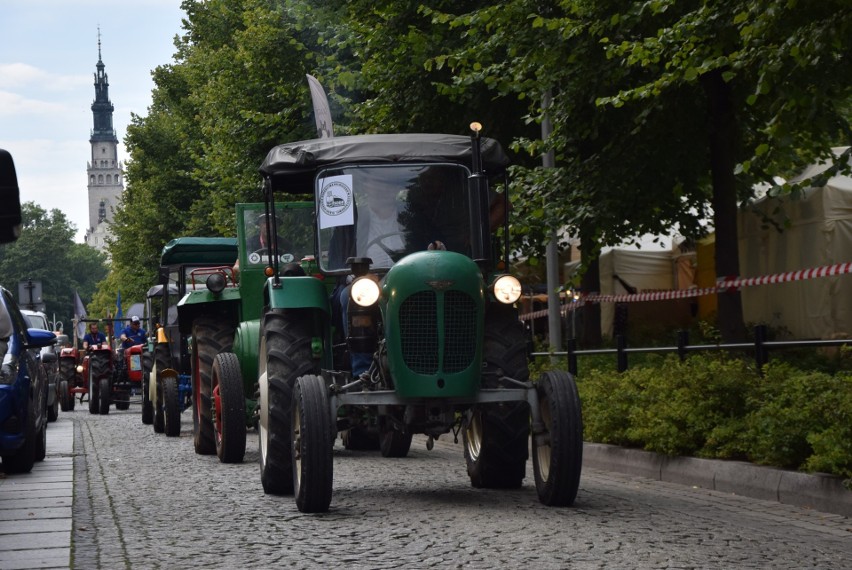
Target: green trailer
431, 307
221, 322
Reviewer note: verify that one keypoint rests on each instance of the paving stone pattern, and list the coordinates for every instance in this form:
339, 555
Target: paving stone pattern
143, 500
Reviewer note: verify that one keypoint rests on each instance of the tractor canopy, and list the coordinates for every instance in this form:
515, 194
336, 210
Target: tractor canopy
298, 161
199, 251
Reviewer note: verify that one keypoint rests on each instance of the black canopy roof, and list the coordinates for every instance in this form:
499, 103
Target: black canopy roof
304, 157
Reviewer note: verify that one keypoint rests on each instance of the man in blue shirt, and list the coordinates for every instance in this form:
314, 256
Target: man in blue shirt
93, 336
133, 333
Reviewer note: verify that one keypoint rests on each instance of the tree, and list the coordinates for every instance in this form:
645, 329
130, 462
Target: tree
46, 252
663, 108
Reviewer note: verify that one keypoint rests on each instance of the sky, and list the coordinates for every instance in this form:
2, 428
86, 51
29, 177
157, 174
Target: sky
48, 54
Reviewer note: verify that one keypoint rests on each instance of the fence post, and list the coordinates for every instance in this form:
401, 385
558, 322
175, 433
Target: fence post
761, 355
682, 343
572, 356
620, 345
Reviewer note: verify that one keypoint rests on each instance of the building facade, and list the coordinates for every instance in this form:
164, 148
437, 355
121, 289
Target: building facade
105, 173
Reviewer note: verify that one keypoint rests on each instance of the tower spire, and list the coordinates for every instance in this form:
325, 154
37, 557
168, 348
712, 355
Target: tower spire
99, 42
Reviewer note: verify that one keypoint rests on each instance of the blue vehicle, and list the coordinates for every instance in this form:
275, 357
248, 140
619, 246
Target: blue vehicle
23, 389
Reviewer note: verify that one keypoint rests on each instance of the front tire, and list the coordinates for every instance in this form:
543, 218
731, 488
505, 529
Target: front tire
66, 399
284, 356
229, 408
558, 449
392, 442
147, 406
67, 373
162, 361
105, 394
171, 405
312, 437
496, 436
209, 338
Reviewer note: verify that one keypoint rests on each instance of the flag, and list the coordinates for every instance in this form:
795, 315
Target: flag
79, 313
118, 313
322, 113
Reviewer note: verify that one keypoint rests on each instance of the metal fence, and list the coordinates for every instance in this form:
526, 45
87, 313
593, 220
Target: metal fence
759, 348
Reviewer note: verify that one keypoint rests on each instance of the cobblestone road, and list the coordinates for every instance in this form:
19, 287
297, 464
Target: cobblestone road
142, 500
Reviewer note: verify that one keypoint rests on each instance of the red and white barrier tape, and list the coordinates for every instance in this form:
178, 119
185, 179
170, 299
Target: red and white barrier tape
721, 287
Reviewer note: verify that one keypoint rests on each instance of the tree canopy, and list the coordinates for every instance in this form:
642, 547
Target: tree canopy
665, 114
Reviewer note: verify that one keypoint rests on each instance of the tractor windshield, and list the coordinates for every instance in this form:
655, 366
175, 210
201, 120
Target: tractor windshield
295, 238
387, 212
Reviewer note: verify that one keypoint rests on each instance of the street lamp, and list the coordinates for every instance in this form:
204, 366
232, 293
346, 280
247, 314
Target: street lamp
575, 296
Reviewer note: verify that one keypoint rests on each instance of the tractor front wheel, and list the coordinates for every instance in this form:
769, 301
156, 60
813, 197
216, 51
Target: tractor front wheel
210, 336
66, 400
558, 448
104, 391
285, 355
229, 408
312, 437
171, 405
496, 436
147, 406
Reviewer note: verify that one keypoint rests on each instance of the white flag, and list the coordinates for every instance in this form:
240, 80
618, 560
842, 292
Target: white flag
321, 110
79, 313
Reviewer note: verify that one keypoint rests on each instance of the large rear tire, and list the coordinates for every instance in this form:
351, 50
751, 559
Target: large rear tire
312, 436
209, 337
392, 442
171, 405
558, 450
284, 356
496, 436
229, 408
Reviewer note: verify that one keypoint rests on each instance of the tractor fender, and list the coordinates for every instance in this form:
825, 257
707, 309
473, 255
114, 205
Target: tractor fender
246, 344
297, 293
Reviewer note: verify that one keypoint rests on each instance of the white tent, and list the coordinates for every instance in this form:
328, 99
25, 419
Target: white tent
646, 271
819, 233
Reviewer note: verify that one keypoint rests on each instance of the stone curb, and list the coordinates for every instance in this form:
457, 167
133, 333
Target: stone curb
817, 491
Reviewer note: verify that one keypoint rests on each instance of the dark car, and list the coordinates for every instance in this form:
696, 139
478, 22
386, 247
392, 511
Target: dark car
23, 389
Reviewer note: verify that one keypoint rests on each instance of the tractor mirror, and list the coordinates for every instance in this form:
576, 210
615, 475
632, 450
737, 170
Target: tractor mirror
10, 215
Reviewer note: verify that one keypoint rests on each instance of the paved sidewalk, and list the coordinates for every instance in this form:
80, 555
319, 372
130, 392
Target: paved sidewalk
35, 508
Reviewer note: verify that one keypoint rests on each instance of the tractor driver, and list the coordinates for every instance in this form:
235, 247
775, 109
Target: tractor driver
133, 333
257, 243
93, 337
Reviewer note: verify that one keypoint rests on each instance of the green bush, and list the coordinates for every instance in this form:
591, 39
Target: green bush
720, 407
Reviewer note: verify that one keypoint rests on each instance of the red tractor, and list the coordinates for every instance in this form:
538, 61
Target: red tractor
106, 376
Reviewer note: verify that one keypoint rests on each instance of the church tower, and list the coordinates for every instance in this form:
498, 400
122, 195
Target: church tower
106, 181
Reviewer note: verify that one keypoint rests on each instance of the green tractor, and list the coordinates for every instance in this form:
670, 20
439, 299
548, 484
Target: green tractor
184, 265
421, 335
221, 321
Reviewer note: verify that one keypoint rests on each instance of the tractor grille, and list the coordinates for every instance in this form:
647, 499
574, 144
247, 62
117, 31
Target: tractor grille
418, 325
419, 330
459, 331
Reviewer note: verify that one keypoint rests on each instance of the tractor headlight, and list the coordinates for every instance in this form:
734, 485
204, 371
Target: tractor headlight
79, 369
216, 283
364, 291
507, 289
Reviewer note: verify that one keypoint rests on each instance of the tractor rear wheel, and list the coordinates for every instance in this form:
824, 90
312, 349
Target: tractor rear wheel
496, 436
229, 408
312, 437
285, 355
558, 450
171, 404
105, 396
392, 442
209, 337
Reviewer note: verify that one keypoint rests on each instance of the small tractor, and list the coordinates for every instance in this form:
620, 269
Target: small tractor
104, 375
222, 318
184, 266
430, 304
